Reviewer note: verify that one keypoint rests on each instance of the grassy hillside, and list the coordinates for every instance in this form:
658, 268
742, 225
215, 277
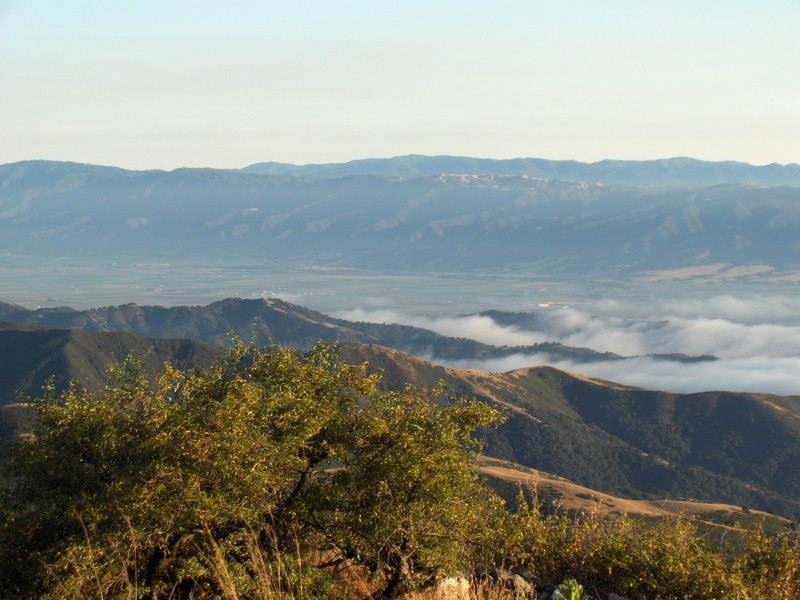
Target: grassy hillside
742, 449
276, 474
558, 494
30, 356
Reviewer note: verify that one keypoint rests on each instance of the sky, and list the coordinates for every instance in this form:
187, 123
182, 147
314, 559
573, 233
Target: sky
163, 84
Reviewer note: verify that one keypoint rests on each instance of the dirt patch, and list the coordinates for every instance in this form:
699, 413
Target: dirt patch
574, 497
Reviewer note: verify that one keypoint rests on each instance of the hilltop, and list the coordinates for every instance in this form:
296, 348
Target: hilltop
274, 321
681, 171
715, 446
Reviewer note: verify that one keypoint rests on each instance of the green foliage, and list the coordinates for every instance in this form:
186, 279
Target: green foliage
205, 483
667, 558
772, 563
572, 590
409, 503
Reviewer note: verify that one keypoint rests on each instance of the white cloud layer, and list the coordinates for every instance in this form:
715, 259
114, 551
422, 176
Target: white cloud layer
757, 341
474, 327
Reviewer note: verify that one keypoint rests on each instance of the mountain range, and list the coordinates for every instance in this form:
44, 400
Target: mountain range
452, 222
609, 221
681, 171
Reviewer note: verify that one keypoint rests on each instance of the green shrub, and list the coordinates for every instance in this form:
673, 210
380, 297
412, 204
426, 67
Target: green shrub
572, 590
639, 559
205, 483
771, 564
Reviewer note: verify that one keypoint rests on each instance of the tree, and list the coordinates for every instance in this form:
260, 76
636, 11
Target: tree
204, 482
407, 501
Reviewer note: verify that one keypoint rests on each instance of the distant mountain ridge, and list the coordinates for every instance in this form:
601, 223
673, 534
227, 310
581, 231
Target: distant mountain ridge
679, 171
462, 223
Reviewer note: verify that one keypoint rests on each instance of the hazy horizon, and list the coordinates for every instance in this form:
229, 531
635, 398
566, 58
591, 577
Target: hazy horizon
409, 154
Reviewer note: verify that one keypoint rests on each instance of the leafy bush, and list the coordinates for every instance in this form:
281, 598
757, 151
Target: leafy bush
406, 499
204, 483
572, 590
666, 559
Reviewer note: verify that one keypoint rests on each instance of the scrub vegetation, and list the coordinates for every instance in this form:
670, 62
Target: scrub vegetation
280, 474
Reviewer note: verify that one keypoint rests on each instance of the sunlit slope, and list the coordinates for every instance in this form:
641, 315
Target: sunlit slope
716, 446
558, 493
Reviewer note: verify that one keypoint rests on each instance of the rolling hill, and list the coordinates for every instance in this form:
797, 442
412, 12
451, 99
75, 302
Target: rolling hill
741, 449
274, 321
31, 355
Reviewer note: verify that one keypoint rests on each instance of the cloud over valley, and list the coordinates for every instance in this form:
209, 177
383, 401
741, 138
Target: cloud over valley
756, 340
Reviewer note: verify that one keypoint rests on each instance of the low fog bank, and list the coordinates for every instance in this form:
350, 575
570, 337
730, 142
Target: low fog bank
770, 376
757, 340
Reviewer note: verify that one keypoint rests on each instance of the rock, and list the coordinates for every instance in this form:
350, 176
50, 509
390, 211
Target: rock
546, 592
520, 588
530, 577
452, 588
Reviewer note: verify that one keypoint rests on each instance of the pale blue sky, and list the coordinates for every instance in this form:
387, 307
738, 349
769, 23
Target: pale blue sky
162, 84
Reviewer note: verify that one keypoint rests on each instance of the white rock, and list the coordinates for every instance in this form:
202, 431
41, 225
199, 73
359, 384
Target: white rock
452, 588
